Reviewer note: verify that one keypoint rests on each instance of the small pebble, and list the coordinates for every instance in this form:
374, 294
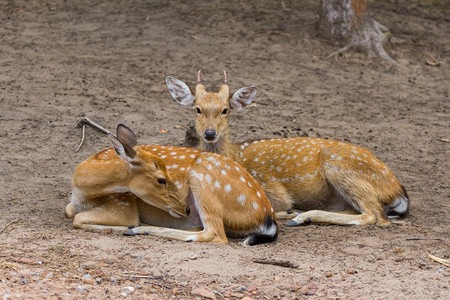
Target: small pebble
128, 289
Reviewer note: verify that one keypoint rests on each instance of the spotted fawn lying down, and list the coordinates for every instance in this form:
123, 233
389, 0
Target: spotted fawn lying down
325, 177
177, 190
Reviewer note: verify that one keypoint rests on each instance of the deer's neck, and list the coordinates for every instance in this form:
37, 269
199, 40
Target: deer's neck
223, 146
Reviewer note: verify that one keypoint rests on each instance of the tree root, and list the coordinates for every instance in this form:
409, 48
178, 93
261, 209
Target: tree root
371, 38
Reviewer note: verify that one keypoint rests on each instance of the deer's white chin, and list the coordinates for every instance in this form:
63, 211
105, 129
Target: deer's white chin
211, 141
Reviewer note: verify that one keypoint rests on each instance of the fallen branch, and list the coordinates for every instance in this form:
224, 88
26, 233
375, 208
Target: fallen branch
445, 262
275, 262
444, 140
83, 122
10, 223
83, 133
86, 121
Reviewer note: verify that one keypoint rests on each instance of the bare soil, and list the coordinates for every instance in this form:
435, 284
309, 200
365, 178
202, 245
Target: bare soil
107, 60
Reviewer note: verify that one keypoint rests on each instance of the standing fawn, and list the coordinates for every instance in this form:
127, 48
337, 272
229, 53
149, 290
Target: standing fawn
128, 184
342, 183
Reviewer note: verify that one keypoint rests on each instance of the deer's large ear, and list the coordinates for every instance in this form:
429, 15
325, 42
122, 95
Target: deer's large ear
180, 91
242, 98
124, 143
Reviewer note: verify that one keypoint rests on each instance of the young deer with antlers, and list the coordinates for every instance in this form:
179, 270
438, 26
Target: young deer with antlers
182, 188
342, 183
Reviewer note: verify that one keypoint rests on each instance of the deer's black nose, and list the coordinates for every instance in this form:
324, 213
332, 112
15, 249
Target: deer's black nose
210, 135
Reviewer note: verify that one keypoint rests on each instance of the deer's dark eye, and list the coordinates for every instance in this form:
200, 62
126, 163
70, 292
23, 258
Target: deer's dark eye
198, 111
161, 181
225, 111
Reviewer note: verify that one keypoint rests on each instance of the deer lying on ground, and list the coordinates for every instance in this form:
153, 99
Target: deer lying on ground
339, 183
185, 189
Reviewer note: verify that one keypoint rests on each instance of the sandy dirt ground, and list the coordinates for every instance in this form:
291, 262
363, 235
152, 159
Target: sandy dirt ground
107, 60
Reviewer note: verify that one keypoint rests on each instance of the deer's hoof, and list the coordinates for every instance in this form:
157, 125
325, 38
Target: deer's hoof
129, 232
296, 222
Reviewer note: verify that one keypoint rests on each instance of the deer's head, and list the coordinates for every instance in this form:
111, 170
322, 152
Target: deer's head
147, 176
212, 109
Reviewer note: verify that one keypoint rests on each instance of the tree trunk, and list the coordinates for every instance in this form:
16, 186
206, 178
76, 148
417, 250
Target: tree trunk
347, 23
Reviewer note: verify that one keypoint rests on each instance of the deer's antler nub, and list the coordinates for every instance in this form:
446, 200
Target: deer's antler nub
199, 81
225, 81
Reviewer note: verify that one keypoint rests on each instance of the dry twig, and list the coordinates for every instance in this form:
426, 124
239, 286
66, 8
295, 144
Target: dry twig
432, 61
424, 239
445, 262
275, 262
82, 122
10, 223
83, 133
86, 121
278, 32
140, 276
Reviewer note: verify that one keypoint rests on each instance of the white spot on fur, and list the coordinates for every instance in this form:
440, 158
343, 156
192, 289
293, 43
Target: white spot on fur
227, 188
255, 205
216, 184
197, 175
208, 178
241, 199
